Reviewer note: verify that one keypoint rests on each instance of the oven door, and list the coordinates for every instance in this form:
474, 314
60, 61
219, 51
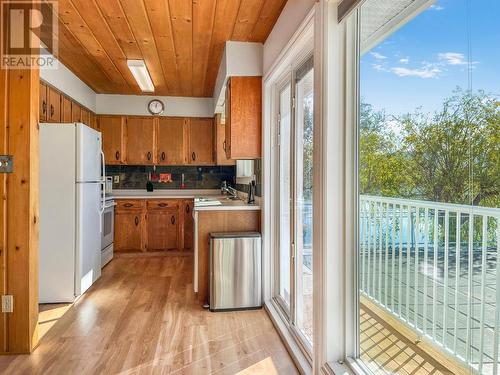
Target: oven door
108, 221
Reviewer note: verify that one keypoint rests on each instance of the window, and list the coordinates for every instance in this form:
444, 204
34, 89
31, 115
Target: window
295, 197
429, 186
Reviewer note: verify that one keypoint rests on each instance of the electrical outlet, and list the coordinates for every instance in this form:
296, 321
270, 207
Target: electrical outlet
116, 179
7, 304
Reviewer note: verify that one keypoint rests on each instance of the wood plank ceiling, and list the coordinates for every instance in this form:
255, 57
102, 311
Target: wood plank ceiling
181, 41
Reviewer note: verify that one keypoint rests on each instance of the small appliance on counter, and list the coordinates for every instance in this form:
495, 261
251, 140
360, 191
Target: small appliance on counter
109, 184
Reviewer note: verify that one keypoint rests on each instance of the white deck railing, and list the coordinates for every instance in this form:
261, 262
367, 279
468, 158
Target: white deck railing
434, 266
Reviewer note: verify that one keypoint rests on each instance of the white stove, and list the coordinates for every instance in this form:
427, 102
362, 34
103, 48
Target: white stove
108, 229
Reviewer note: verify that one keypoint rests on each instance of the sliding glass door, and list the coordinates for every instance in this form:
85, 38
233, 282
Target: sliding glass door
295, 198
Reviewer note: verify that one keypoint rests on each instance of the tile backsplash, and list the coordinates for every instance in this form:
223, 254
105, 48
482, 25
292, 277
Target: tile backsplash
201, 177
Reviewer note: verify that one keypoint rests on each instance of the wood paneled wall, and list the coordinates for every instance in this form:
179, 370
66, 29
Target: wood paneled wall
19, 93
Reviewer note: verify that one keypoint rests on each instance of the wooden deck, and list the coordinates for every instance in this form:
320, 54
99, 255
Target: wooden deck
142, 317
388, 347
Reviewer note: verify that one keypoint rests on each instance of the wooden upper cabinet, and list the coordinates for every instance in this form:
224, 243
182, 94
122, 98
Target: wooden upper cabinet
171, 141
85, 116
140, 140
244, 118
220, 143
94, 124
66, 115
43, 102
112, 128
201, 133
54, 105
76, 112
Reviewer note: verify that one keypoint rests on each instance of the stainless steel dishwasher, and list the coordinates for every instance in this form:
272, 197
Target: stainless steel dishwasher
235, 271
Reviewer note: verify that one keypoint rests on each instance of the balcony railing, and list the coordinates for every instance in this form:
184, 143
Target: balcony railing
434, 266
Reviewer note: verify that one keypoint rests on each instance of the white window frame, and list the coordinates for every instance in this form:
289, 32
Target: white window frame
299, 49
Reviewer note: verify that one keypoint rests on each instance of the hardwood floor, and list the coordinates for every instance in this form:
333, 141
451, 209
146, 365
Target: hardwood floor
142, 317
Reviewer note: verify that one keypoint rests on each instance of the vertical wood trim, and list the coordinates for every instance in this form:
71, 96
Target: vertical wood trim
22, 209
19, 102
3, 205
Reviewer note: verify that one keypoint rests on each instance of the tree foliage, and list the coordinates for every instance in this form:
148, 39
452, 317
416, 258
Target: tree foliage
452, 155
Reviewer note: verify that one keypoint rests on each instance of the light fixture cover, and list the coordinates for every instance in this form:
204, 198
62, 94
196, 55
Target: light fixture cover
140, 72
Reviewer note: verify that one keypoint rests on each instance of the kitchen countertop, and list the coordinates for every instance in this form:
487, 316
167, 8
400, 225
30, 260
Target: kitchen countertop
174, 193
226, 204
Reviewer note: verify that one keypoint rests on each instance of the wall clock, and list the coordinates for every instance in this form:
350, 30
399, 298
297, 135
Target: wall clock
156, 107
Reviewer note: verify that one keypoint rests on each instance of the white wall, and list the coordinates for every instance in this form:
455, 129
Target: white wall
138, 105
242, 59
66, 81
288, 22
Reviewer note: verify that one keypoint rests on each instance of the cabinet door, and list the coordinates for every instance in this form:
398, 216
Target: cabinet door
162, 230
244, 118
93, 122
201, 133
140, 140
54, 105
172, 234
171, 142
76, 112
43, 102
66, 110
220, 143
227, 127
188, 223
85, 116
112, 138
129, 227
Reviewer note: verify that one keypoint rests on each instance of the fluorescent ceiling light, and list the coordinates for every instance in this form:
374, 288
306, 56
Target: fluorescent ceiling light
141, 75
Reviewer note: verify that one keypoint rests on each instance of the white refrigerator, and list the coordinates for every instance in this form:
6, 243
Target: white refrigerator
71, 205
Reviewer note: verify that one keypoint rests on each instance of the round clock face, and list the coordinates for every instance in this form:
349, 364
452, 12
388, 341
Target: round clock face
156, 107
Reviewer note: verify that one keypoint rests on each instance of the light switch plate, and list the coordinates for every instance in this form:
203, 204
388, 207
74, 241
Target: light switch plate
6, 164
7, 303
116, 179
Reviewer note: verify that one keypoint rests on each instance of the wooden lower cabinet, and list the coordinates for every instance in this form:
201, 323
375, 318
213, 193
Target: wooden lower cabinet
153, 225
163, 230
188, 235
129, 230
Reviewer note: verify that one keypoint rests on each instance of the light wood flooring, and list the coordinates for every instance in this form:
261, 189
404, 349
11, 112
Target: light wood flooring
142, 317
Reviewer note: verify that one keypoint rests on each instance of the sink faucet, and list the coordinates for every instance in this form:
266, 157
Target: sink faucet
228, 189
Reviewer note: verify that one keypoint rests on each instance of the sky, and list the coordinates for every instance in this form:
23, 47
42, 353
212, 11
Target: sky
421, 64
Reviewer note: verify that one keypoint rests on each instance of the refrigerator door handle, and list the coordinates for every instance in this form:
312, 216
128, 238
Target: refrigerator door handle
103, 192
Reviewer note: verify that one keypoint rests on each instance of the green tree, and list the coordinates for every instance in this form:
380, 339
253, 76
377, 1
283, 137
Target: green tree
455, 152
450, 156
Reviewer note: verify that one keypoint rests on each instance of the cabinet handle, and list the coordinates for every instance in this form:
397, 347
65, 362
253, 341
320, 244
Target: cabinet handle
163, 204
193, 156
44, 107
187, 209
149, 155
117, 155
224, 145
136, 221
172, 219
128, 205
51, 110
163, 156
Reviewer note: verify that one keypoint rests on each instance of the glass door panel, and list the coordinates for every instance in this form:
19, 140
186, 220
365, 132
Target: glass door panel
285, 191
303, 200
